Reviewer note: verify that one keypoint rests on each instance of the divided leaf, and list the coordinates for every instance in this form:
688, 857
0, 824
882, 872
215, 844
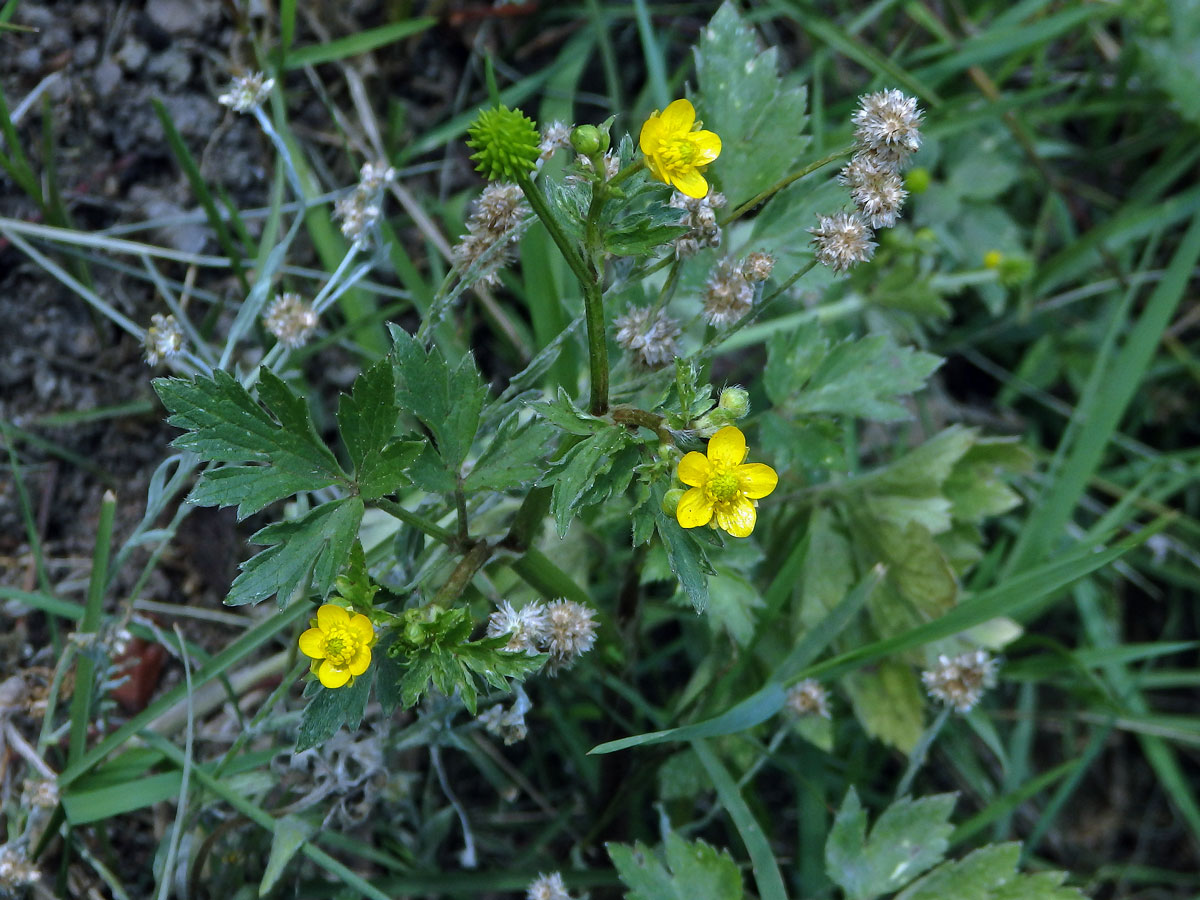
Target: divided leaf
742, 98
447, 401
864, 378
574, 474
367, 420
313, 548
989, 873
224, 422
515, 457
684, 554
329, 710
908, 838
693, 871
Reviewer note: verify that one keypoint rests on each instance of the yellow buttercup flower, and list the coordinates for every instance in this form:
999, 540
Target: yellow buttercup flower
723, 485
675, 151
342, 644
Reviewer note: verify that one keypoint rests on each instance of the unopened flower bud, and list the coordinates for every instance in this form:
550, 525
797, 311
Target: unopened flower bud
735, 401
586, 140
671, 500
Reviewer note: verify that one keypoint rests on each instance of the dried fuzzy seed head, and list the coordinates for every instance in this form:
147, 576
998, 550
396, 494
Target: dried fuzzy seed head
889, 123
570, 632
960, 681
375, 175
16, 871
509, 725
291, 320
877, 189
729, 296
808, 698
842, 240
758, 266
357, 214
493, 228
507, 142
246, 92
500, 208
548, 887
164, 339
526, 626
555, 136
701, 221
653, 336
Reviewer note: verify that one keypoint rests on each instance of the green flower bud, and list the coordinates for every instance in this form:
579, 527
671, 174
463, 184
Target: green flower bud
736, 401
671, 500
507, 141
918, 180
586, 139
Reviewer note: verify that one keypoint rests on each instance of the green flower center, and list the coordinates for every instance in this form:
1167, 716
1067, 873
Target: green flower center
677, 153
341, 646
722, 486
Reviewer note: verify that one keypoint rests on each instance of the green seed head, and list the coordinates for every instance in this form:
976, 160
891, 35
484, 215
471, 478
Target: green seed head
735, 401
507, 143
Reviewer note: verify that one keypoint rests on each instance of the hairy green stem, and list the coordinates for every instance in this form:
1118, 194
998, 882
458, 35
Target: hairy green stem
589, 275
784, 182
462, 574
420, 523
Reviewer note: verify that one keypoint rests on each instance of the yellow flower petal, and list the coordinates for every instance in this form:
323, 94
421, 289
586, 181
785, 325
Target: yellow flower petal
330, 616
695, 509
655, 169
362, 629
333, 676
361, 661
690, 183
708, 146
728, 446
737, 517
693, 469
756, 480
679, 116
651, 134
312, 643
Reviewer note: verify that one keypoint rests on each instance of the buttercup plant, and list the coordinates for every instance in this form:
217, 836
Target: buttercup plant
486, 556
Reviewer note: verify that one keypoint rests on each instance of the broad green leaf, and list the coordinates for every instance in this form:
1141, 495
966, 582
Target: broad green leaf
314, 547
574, 474
367, 421
975, 486
516, 457
989, 873
684, 554
922, 471
908, 838
330, 708
916, 566
888, 702
863, 378
828, 572
291, 833
693, 871
732, 602
447, 401
226, 424
429, 472
759, 119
